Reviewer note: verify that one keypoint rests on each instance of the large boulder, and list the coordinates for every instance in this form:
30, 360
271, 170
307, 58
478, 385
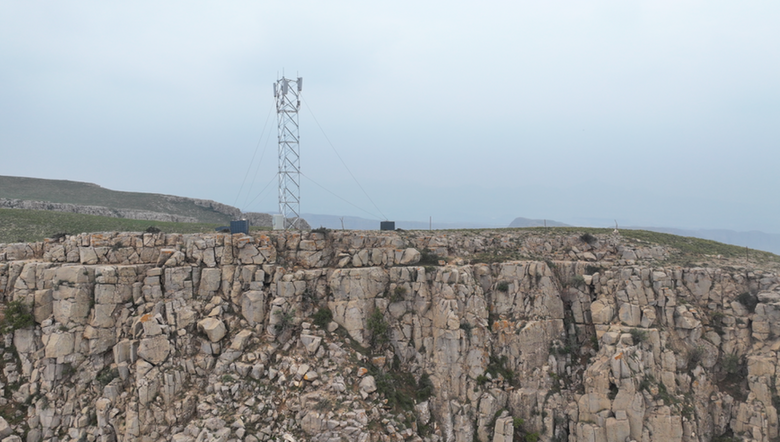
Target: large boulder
154, 350
59, 345
213, 328
253, 306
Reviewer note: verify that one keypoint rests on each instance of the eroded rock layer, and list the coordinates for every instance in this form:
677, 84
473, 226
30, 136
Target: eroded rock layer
329, 336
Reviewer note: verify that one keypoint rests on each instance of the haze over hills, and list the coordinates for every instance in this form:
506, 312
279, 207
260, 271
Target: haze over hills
358, 223
89, 198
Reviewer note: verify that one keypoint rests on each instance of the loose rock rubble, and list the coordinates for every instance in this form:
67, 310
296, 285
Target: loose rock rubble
330, 336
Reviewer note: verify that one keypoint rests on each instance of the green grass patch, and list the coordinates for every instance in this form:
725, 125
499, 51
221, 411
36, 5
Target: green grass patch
427, 257
20, 225
498, 366
638, 335
323, 317
696, 246
378, 329
16, 316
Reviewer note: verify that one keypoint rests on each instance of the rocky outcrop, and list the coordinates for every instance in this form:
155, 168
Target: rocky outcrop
489, 336
6, 203
231, 211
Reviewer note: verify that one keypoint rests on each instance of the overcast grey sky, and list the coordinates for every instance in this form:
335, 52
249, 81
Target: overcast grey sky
654, 113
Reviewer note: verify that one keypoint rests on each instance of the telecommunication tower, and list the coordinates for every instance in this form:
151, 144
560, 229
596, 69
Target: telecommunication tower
287, 93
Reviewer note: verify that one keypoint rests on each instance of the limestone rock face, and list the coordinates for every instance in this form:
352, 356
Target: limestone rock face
213, 328
154, 350
253, 306
5, 429
504, 431
59, 345
338, 335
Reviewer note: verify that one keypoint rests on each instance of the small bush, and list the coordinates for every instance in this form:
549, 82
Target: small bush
748, 300
532, 437
67, 369
591, 269
429, 258
498, 366
695, 356
399, 388
638, 335
322, 230
588, 238
106, 375
664, 395
502, 286
16, 316
424, 388
308, 298
377, 328
398, 293
285, 321
518, 422
481, 379
731, 363
323, 317
152, 229
557, 349
465, 326
577, 281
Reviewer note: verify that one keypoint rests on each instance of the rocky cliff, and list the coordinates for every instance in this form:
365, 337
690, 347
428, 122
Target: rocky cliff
328, 336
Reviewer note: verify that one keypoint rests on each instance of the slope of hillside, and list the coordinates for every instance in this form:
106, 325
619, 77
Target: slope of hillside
88, 194
753, 239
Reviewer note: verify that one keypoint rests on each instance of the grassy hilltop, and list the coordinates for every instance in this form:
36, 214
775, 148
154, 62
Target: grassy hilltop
88, 194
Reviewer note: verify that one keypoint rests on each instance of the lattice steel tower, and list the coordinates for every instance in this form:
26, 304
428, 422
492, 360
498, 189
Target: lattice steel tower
287, 93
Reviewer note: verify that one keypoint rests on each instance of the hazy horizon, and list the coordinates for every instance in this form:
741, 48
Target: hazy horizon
654, 113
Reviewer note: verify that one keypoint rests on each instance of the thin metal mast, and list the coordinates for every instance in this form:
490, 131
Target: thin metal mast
287, 93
